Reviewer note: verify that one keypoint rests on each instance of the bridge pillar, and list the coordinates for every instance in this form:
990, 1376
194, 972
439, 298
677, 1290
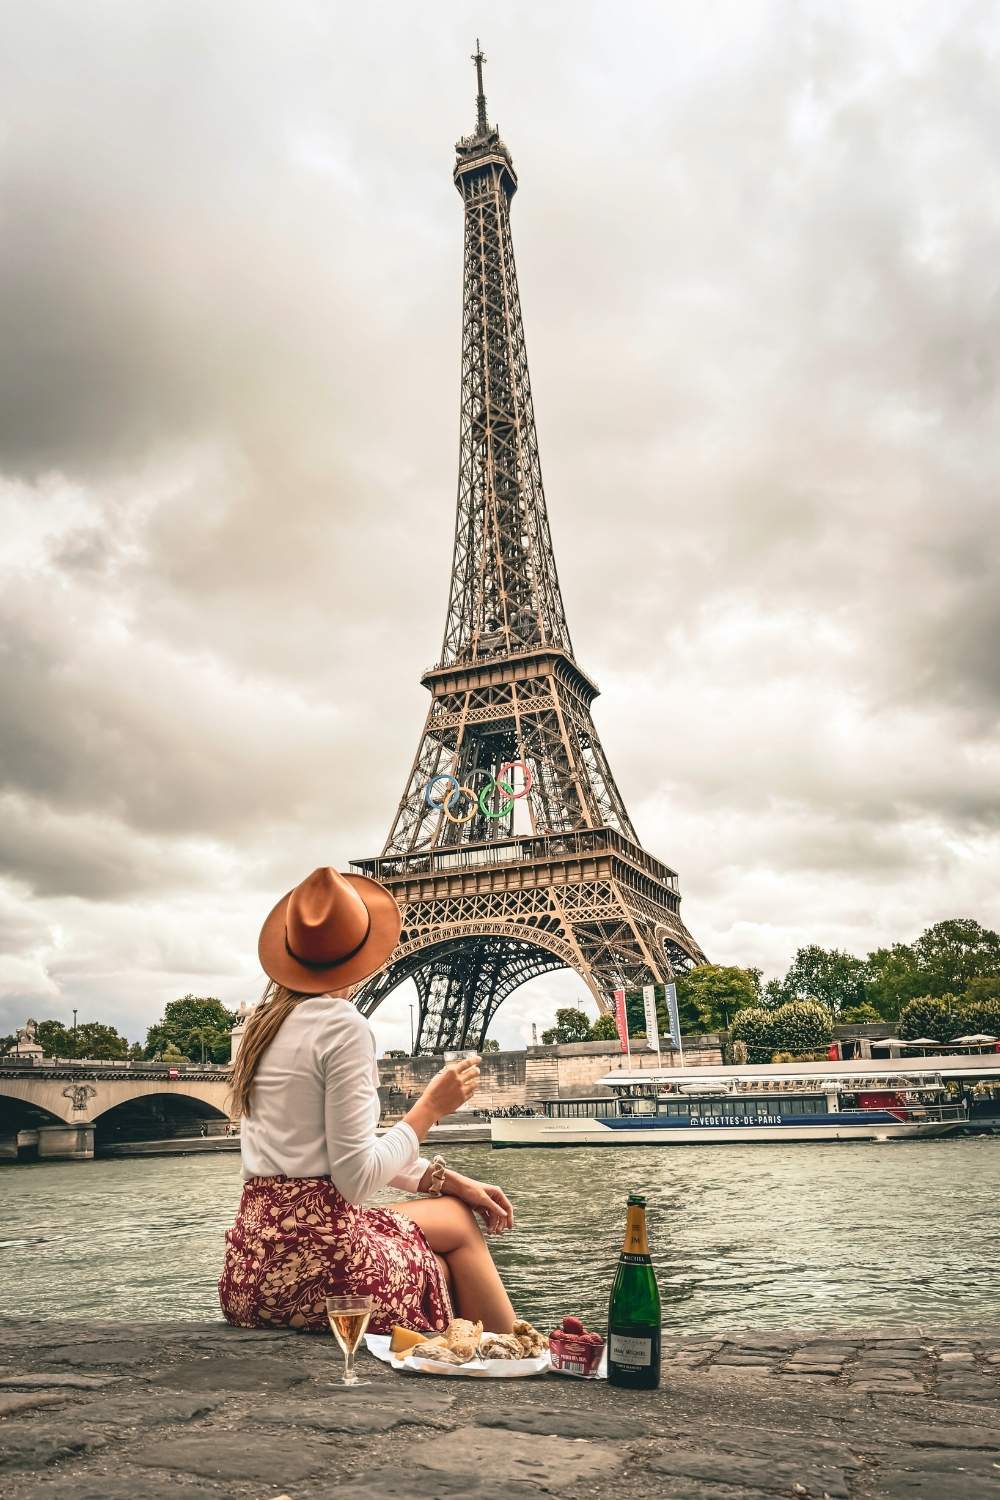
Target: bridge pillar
65, 1142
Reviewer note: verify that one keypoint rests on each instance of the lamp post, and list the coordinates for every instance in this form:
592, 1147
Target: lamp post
74, 1031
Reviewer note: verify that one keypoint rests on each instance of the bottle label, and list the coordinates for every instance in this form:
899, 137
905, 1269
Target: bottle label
628, 1351
634, 1260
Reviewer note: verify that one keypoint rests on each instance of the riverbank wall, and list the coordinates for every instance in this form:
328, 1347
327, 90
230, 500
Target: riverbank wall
528, 1076
179, 1411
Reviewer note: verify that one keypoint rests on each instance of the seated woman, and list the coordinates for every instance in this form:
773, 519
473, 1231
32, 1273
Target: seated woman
305, 1082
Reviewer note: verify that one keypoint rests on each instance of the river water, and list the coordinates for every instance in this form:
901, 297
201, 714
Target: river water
743, 1237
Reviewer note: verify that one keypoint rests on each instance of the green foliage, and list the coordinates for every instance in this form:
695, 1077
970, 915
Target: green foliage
951, 954
172, 1054
710, 995
571, 1026
755, 1028
803, 1025
604, 1029
833, 978
774, 994
891, 979
93, 1039
90, 1039
985, 988
796, 1027
7, 1044
948, 958
980, 1009
936, 1016
55, 1039
859, 1015
195, 1026
490, 1045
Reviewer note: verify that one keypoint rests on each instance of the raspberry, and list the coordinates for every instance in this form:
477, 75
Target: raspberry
573, 1325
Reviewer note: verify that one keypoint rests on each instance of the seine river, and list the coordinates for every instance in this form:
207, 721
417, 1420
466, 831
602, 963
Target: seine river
743, 1237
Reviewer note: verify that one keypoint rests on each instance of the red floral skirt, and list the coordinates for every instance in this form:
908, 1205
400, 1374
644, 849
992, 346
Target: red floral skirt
296, 1241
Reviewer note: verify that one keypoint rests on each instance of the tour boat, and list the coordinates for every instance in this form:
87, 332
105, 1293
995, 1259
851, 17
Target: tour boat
807, 1102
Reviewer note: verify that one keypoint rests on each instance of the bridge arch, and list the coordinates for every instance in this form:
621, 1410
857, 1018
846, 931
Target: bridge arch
80, 1097
159, 1114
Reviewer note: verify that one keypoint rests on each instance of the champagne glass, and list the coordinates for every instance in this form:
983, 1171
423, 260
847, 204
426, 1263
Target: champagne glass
348, 1319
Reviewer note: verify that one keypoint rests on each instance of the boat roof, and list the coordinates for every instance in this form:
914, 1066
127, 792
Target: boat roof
985, 1065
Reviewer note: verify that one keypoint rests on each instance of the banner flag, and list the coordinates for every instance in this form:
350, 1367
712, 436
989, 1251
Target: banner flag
649, 1005
675, 1021
621, 1020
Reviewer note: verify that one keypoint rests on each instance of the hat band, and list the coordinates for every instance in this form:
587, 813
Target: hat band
330, 963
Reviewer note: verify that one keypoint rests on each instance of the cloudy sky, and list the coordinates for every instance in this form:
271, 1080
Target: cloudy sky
759, 262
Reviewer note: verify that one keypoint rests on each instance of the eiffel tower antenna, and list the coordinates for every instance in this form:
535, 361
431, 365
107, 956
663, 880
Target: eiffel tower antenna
511, 852
478, 58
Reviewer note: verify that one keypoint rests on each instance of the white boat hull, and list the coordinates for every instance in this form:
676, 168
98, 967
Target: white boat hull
539, 1131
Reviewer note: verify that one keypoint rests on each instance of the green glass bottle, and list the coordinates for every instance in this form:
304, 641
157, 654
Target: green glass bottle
634, 1309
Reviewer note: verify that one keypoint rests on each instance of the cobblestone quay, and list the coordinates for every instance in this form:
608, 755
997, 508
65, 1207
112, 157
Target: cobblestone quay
167, 1411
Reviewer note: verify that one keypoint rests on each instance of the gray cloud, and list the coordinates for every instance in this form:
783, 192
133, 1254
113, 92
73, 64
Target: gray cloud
758, 262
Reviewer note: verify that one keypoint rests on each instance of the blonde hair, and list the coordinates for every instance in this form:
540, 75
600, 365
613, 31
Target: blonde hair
276, 1004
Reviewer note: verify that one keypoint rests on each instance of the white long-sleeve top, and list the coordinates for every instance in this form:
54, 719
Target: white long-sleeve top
314, 1107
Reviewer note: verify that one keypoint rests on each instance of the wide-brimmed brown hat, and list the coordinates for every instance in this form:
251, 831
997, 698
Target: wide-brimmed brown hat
332, 931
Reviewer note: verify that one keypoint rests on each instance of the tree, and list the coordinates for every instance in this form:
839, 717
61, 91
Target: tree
951, 954
55, 1039
135, 1052
184, 1024
490, 1045
859, 1015
7, 1044
796, 1027
209, 1042
833, 978
803, 1026
754, 1029
710, 995
981, 1007
604, 1029
934, 1016
94, 1039
571, 1026
891, 979
980, 1016
774, 994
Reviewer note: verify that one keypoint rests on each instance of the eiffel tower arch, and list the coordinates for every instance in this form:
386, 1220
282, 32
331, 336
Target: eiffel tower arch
511, 852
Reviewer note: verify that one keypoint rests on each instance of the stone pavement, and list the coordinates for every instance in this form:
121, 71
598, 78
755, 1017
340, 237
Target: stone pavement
168, 1411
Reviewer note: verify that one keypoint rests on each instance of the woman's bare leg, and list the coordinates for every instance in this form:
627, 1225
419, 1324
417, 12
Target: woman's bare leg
453, 1234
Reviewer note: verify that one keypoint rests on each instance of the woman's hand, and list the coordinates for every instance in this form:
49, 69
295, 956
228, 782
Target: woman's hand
488, 1201
449, 1089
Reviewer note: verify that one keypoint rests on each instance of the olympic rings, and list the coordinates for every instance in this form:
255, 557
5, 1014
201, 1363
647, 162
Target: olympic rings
478, 802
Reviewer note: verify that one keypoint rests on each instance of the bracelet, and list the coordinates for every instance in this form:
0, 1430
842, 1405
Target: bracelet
436, 1185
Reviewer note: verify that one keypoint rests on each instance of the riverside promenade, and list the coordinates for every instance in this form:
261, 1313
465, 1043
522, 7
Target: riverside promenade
178, 1411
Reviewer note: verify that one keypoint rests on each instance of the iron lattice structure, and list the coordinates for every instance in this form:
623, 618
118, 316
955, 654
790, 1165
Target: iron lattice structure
511, 852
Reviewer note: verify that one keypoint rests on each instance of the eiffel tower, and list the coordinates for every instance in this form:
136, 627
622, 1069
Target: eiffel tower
511, 852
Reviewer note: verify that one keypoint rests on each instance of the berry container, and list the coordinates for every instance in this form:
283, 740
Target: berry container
576, 1353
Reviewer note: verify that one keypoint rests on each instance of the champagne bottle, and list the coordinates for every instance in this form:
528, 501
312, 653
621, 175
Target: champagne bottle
634, 1309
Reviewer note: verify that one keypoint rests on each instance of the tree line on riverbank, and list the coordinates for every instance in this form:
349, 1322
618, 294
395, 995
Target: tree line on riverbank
193, 1029
944, 984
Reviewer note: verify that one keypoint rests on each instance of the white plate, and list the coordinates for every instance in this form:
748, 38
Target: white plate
490, 1369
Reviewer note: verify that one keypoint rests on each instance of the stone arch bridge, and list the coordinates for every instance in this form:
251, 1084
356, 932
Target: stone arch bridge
63, 1109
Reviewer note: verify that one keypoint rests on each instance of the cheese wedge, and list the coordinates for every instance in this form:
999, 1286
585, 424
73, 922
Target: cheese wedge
404, 1338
